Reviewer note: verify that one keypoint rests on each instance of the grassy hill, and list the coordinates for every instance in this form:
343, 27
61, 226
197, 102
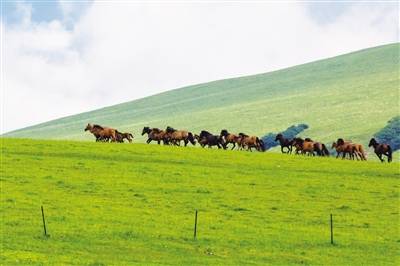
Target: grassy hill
125, 204
350, 96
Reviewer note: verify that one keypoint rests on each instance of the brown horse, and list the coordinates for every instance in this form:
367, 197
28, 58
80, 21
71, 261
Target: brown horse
122, 136
156, 135
305, 146
229, 138
176, 136
344, 149
358, 149
102, 133
320, 149
251, 142
381, 149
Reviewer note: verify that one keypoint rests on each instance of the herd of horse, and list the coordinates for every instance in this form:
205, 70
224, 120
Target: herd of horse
241, 141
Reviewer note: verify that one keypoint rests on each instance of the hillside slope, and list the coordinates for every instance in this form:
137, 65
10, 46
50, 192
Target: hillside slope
134, 204
351, 96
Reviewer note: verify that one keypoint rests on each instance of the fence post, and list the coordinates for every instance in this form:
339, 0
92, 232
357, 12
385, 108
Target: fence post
195, 225
44, 223
331, 229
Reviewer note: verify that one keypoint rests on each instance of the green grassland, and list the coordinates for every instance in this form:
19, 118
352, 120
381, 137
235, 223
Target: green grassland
119, 204
350, 96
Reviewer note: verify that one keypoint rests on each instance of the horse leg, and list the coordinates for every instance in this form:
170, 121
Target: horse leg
186, 142
282, 149
234, 145
379, 156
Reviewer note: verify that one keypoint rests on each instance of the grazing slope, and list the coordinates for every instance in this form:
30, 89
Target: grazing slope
352, 96
124, 204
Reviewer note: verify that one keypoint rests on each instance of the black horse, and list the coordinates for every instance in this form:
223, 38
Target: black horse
285, 143
207, 139
381, 149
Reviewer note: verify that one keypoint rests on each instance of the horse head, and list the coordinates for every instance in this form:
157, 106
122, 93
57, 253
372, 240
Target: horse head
340, 142
145, 130
170, 129
372, 142
278, 137
88, 127
224, 133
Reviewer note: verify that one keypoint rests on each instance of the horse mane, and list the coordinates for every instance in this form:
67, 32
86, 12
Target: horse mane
242, 134
156, 130
340, 141
170, 129
98, 126
205, 132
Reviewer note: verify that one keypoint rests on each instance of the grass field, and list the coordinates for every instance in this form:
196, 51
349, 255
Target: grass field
118, 204
350, 96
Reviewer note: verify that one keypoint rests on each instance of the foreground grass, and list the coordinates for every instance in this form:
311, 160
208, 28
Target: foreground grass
127, 204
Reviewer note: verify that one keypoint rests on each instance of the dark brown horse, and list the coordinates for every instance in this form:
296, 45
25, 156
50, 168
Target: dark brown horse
102, 133
229, 138
251, 142
207, 139
156, 135
176, 136
381, 149
121, 136
285, 143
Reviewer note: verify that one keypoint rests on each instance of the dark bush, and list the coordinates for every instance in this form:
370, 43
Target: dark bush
390, 134
290, 132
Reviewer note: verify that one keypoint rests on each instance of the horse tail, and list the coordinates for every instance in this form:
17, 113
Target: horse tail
362, 153
325, 150
260, 144
389, 153
191, 138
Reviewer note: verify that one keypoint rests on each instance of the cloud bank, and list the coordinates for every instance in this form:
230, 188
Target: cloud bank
117, 52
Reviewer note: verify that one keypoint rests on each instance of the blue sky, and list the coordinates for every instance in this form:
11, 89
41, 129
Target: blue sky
63, 57
323, 12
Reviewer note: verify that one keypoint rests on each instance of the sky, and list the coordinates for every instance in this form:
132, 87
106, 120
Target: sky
60, 58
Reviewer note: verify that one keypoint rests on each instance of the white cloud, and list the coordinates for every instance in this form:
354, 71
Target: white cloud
122, 51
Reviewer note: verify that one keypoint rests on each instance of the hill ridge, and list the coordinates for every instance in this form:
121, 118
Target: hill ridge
290, 92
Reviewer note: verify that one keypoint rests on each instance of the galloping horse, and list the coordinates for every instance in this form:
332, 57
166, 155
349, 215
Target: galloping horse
345, 149
206, 138
285, 143
102, 133
229, 138
305, 146
251, 142
381, 149
122, 136
176, 136
358, 149
156, 135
